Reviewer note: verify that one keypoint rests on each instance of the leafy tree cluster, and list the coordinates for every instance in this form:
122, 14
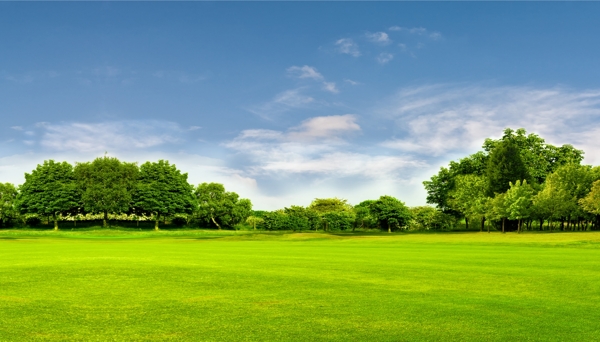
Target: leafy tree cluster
109, 187
518, 180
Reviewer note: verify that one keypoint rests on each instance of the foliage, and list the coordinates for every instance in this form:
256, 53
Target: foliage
8, 196
50, 190
429, 218
504, 166
219, 207
162, 189
390, 212
363, 217
106, 185
334, 213
255, 221
468, 196
591, 202
518, 200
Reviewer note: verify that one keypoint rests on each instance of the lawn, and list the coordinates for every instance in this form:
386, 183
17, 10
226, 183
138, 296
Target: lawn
104, 285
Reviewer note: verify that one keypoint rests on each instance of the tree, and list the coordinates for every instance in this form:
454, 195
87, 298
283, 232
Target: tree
163, 190
468, 197
8, 195
334, 213
518, 201
254, 221
106, 185
429, 218
497, 209
363, 217
219, 206
504, 166
390, 212
591, 202
49, 190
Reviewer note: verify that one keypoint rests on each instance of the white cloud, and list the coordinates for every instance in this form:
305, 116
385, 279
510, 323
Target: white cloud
443, 120
281, 103
308, 72
351, 82
305, 72
348, 46
317, 146
330, 87
17, 128
108, 136
195, 128
420, 31
379, 38
384, 57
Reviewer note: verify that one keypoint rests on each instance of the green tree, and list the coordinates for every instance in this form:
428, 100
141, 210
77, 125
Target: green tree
334, 213
497, 209
254, 221
468, 197
591, 202
8, 196
106, 185
49, 190
429, 218
518, 202
220, 207
163, 191
363, 217
390, 213
504, 166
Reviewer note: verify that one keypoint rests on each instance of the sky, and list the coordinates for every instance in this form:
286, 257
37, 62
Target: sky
284, 102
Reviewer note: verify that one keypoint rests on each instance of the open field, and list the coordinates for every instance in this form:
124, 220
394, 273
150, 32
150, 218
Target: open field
207, 285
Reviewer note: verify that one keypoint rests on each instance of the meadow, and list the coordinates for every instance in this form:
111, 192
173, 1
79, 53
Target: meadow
206, 285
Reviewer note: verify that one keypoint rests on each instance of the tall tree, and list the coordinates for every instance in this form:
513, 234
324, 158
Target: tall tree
591, 202
163, 191
8, 195
390, 212
219, 207
49, 190
504, 166
106, 185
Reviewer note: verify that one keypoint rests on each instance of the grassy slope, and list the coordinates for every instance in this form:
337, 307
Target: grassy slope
206, 285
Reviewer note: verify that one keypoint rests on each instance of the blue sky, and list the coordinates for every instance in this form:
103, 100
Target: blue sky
287, 101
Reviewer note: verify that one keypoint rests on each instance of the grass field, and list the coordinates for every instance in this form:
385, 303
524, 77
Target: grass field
104, 285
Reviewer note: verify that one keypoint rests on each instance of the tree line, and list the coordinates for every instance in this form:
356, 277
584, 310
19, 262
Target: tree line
520, 182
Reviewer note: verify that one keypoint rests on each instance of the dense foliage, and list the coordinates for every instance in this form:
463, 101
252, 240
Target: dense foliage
516, 181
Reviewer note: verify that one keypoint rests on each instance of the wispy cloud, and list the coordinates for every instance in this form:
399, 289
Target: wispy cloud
305, 72
114, 135
308, 72
379, 38
282, 102
348, 46
420, 31
316, 146
439, 120
384, 57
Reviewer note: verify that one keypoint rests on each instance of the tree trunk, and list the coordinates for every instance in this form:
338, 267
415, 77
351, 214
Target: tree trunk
105, 220
55, 222
215, 222
156, 222
518, 226
466, 223
389, 228
254, 225
503, 219
482, 223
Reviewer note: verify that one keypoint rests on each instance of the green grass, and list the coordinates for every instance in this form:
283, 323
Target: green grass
123, 284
